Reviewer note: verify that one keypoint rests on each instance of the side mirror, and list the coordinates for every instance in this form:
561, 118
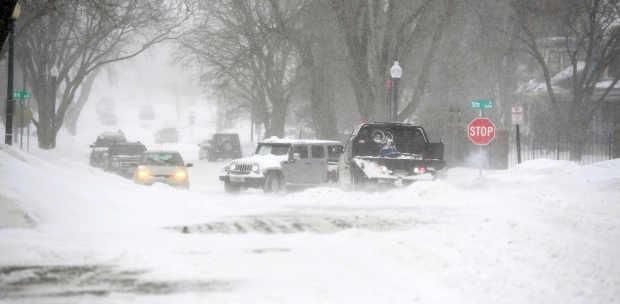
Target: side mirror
92, 146
189, 165
198, 145
296, 156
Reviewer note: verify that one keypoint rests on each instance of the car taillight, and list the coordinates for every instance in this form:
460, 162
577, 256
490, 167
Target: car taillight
205, 148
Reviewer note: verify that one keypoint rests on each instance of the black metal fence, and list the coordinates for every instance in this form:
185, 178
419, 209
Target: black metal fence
595, 149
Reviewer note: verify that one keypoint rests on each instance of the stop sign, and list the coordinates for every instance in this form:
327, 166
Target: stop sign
481, 131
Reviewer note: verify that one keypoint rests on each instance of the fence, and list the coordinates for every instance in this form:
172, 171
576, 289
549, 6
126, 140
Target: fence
558, 148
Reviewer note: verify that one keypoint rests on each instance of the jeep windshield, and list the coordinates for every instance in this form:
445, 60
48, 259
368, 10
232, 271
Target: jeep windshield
405, 139
273, 149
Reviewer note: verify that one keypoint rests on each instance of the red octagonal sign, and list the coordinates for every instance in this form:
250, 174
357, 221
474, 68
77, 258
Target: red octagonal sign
481, 131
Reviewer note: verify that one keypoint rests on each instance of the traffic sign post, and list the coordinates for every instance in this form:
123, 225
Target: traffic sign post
482, 104
517, 119
481, 131
21, 95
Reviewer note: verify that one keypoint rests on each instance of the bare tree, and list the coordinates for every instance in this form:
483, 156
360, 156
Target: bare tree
377, 33
586, 34
79, 38
243, 62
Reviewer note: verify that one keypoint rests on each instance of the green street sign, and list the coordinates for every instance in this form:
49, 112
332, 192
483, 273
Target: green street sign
21, 94
482, 104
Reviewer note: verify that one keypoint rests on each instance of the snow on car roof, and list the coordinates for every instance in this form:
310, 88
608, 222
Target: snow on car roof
161, 151
112, 134
276, 140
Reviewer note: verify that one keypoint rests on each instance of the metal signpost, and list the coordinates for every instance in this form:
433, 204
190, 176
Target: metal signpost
483, 129
517, 119
21, 96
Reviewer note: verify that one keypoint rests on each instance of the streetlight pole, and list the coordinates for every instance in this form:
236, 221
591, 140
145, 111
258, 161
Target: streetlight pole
396, 72
10, 103
54, 73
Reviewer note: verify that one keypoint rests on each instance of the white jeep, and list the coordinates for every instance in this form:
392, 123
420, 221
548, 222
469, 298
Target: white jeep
281, 163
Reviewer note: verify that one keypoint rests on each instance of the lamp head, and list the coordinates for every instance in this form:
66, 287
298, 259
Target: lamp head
16, 11
396, 71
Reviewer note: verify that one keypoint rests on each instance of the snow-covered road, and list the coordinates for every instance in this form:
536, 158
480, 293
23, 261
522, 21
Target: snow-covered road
542, 232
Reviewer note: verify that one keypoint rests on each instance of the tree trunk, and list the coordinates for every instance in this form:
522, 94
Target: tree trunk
73, 113
576, 135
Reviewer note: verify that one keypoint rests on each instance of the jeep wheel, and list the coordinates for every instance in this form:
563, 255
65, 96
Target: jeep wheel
227, 146
210, 156
275, 183
230, 187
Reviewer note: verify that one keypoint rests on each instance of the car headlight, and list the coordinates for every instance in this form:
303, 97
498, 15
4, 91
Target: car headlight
181, 175
384, 169
255, 168
416, 170
143, 174
114, 163
232, 166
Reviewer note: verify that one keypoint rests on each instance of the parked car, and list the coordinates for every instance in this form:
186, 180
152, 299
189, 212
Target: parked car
167, 135
147, 113
109, 119
101, 145
105, 105
123, 157
379, 155
162, 167
204, 148
281, 163
221, 145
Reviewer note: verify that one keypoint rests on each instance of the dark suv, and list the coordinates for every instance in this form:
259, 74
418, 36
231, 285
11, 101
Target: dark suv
123, 157
100, 147
167, 135
223, 145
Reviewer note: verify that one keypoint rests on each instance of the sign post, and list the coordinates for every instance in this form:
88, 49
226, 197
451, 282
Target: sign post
517, 119
21, 96
481, 131
481, 104
300, 126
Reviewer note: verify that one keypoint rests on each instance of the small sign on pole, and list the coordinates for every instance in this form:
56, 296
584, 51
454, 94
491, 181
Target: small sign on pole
482, 104
21, 95
517, 115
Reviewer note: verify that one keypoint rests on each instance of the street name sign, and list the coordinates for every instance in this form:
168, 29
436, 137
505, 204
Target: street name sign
21, 94
481, 131
482, 104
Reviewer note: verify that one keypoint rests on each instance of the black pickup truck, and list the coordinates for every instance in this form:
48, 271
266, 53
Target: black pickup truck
378, 155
